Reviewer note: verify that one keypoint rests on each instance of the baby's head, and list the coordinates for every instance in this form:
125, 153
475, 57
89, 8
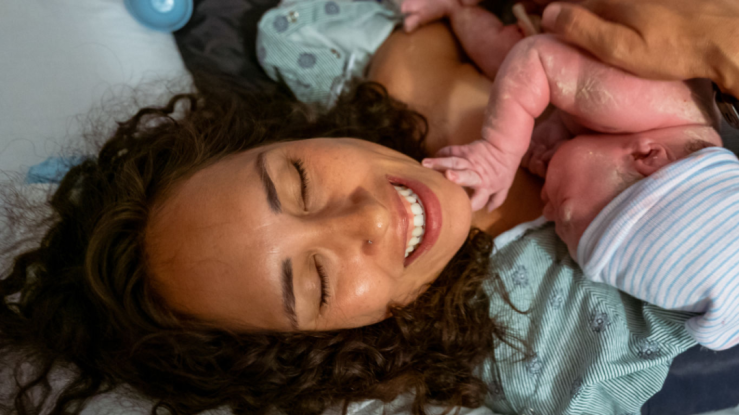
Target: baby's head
589, 171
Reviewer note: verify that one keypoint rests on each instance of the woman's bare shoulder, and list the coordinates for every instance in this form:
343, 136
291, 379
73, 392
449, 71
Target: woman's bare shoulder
428, 52
428, 71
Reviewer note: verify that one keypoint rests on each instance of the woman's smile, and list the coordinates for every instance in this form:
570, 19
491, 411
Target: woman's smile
423, 212
315, 234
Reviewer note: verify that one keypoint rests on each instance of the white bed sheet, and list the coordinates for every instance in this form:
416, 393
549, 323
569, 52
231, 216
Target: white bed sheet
59, 59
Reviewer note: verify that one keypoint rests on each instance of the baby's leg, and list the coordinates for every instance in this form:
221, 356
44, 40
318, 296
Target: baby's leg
542, 69
483, 37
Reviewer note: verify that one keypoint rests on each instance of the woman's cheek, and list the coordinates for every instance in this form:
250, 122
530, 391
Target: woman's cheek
364, 298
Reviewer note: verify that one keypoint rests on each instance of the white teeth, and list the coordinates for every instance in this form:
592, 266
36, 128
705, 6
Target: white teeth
419, 217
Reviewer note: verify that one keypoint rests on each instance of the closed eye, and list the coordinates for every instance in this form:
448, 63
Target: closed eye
324, 283
298, 164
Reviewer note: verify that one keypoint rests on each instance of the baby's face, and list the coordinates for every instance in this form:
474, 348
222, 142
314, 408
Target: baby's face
587, 172
583, 176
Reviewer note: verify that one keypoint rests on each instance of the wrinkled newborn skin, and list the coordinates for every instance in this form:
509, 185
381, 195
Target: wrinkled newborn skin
609, 128
589, 171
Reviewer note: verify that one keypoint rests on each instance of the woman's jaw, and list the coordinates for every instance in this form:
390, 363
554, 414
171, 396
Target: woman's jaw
219, 250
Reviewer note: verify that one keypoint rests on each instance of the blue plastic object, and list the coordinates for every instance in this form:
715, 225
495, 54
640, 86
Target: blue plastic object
162, 15
52, 170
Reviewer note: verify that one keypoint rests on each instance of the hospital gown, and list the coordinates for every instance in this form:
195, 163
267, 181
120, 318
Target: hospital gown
593, 349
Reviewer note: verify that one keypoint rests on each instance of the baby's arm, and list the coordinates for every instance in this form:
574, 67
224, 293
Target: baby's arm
540, 70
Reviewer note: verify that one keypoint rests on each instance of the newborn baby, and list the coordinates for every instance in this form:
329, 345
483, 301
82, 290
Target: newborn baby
636, 182
591, 97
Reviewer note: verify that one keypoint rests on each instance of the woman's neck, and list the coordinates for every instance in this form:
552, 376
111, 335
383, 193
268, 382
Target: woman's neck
523, 204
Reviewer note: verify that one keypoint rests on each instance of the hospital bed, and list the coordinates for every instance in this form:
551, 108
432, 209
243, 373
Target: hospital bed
62, 60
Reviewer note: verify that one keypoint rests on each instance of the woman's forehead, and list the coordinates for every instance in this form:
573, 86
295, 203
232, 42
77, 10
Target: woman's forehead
213, 239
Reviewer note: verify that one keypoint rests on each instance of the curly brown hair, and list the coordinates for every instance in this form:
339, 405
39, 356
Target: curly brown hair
82, 295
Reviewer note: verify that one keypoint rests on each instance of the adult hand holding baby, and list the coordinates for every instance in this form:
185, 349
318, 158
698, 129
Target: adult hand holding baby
660, 39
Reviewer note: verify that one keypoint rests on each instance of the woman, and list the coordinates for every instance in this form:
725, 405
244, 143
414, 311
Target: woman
88, 282
216, 259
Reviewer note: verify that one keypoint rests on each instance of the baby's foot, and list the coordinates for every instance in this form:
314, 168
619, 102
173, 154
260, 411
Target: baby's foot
419, 12
483, 37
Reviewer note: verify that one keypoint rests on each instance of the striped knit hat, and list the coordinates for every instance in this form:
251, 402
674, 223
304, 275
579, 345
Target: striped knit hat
672, 239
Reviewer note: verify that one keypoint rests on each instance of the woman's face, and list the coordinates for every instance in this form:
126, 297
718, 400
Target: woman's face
304, 235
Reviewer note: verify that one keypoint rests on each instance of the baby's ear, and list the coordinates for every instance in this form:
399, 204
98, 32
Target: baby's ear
650, 157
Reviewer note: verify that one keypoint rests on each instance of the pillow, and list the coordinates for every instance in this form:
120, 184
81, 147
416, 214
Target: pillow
61, 58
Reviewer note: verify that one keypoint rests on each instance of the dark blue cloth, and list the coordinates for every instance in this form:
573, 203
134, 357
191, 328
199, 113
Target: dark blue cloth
700, 380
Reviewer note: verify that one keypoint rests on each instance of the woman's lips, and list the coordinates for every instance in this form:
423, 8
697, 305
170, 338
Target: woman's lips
407, 219
404, 218
432, 209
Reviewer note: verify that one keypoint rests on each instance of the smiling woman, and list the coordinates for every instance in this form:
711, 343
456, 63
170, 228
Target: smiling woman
284, 228
228, 257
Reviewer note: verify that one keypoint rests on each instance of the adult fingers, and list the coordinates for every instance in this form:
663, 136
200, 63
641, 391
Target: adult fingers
611, 42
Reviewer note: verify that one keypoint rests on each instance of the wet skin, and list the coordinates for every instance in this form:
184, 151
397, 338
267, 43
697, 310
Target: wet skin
418, 69
588, 172
225, 251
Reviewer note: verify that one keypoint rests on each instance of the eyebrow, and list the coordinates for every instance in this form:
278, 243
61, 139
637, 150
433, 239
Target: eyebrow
269, 185
288, 295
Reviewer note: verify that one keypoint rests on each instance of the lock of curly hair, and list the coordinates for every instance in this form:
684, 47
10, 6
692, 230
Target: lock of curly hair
82, 295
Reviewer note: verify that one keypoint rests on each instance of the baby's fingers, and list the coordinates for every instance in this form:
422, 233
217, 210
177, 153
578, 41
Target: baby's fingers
411, 23
479, 199
450, 151
496, 200
464, 178
447, 163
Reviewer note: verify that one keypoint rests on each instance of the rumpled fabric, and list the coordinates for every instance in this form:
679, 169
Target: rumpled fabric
672, 239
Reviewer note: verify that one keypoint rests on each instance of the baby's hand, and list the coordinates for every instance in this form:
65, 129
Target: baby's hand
420, 12
545, 140
480, 166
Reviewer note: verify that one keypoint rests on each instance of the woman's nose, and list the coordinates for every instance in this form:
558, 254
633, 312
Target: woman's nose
363, 218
